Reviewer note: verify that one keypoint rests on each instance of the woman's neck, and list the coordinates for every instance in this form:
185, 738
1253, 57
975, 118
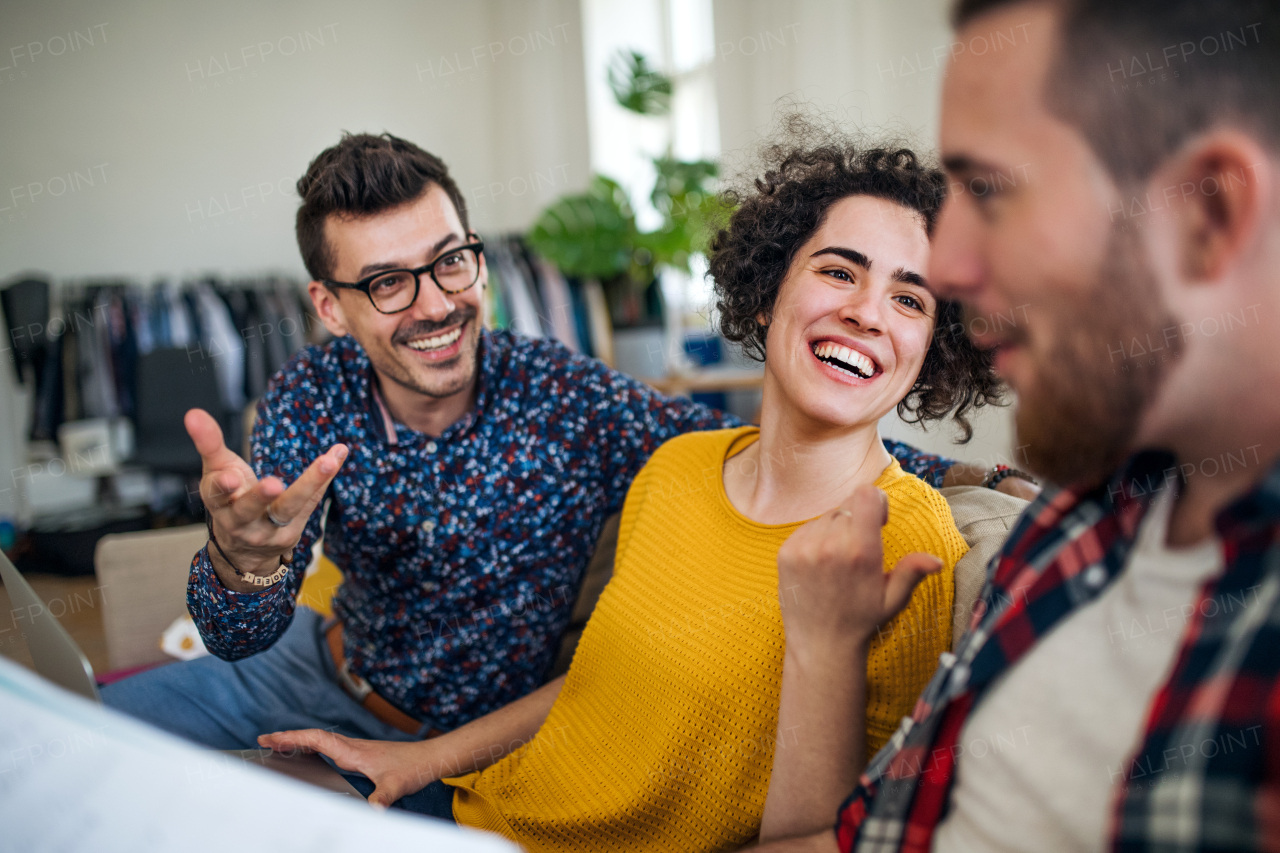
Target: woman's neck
799, 469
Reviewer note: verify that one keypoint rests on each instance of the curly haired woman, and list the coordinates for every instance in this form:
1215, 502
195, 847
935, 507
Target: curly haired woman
666, 730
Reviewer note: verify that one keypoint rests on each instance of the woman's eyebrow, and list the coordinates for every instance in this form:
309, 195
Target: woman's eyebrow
851, 255
905, 276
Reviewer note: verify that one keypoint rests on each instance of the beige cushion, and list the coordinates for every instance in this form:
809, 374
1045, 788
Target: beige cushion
984, 518
144, 588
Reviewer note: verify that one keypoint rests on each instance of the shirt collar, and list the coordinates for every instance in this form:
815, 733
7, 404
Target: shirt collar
1139, 479
380, 412
1146, 473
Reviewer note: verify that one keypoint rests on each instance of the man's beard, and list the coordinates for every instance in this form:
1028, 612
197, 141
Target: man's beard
1078, 421
402, 375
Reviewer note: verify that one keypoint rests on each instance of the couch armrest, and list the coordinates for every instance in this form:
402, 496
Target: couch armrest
984, 518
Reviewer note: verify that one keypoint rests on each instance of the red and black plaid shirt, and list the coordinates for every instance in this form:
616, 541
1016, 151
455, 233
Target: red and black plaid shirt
1206, 775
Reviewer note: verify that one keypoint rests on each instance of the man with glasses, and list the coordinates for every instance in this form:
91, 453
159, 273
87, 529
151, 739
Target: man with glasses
467, 473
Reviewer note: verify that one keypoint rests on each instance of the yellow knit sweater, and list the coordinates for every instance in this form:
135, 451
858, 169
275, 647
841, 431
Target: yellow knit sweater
662, 737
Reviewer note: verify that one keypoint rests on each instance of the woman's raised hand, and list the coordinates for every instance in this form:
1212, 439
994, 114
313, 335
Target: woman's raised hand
831, 579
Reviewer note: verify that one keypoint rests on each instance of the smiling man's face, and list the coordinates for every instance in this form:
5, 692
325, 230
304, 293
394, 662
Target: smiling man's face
431, 347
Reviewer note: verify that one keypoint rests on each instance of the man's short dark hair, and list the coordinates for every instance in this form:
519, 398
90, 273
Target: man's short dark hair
364, 175
750, 258
1141, 77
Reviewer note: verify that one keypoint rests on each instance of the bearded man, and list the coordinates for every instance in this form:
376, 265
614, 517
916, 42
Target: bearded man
1115, 171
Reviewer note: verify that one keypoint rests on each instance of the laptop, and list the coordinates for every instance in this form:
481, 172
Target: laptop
57, 657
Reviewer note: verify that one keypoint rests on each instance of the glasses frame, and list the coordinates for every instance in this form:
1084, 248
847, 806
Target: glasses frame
365, 283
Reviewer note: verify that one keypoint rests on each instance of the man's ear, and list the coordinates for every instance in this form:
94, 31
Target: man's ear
1220, 187
328, 309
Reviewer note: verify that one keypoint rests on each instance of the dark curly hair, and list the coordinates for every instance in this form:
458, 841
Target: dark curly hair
751, 256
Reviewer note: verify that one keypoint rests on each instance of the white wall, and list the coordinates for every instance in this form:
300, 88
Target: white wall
859, 60
495, 87
166, 140
874, 66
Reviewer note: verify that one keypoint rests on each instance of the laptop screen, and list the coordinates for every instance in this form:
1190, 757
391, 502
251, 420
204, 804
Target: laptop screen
55, 655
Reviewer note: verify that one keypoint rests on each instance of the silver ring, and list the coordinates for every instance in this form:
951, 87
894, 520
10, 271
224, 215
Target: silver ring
277, 522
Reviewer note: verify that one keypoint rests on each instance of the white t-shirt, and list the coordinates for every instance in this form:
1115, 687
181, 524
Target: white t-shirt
1045, 747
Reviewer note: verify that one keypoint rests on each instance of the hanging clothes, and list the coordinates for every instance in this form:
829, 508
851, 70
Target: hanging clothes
245, 331
558, 303
274, 343
220, 343
178, 317
96, 370
142, 325
530, 295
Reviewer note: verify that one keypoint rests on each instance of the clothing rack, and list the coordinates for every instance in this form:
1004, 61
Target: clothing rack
529, 295
83, 358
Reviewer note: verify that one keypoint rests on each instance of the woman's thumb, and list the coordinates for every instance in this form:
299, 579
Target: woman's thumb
381, 798
904, 578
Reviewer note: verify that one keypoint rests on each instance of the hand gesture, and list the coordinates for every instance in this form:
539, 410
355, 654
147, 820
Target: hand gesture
256, 522
831, 580
396, 769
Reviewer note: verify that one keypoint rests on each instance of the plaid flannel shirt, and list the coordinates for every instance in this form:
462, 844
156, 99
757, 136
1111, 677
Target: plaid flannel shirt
1206, 775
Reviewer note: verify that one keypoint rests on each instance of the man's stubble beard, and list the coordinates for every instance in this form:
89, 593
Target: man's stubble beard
404, 376
1078, 422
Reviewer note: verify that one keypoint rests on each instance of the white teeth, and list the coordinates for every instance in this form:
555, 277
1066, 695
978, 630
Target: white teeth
437, 342
852, 361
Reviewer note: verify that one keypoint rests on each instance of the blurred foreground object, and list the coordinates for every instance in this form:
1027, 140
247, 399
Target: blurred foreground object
75, 776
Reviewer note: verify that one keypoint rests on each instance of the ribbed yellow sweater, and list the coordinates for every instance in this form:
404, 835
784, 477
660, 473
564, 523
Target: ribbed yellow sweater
662, 737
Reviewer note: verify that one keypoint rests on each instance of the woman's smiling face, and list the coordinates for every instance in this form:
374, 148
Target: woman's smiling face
853, 318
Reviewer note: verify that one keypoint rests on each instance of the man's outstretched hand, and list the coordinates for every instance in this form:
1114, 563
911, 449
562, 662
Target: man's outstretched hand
238, 503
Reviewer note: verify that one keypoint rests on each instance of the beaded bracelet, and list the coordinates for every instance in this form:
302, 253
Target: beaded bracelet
1001, 472
250, 577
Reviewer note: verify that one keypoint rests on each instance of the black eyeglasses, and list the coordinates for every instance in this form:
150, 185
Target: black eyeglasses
393, 291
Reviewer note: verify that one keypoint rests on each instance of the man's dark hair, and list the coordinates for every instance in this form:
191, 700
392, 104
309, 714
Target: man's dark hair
750, 258
1141, 77
361, 176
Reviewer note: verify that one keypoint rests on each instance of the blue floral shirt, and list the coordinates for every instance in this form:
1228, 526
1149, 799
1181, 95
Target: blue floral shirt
462, 554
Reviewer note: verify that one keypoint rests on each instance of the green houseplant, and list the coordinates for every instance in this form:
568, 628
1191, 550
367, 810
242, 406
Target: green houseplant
594, 235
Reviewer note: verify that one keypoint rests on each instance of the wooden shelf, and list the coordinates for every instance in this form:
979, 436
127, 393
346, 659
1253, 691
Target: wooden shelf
701, 381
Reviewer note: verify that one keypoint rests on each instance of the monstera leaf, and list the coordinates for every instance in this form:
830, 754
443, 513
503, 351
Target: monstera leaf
589, 235
684, 193
637, 87
678, 179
